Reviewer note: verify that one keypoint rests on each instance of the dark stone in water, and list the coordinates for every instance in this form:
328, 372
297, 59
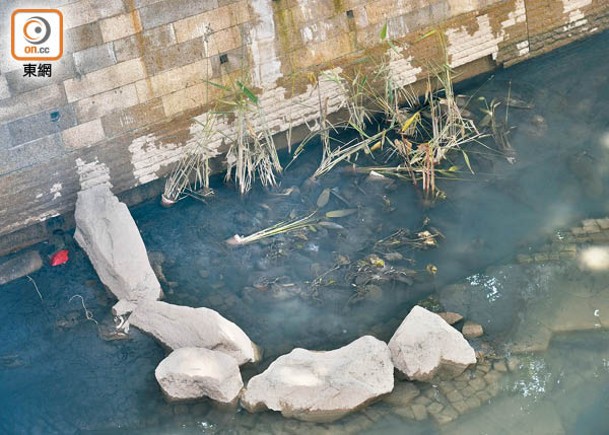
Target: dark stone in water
11, 361
70, 320
20, 266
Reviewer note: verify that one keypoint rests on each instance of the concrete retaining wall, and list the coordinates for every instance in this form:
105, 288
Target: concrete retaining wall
134, 78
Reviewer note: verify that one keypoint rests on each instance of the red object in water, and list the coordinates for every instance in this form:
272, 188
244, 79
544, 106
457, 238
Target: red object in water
59, 257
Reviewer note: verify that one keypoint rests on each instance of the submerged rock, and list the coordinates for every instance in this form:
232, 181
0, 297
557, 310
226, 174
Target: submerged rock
12, 361
472, 330
425, 346
193, 373
177, 326
450, 317
70, 320
323, 386
111, 239
20, 266
402, 394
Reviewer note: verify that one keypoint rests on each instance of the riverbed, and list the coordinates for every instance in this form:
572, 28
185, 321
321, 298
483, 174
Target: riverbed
500, 235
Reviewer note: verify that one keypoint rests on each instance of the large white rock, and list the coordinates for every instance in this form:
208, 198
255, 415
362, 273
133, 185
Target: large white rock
425, 346
193, 373
323, 386
177, 326
111, 239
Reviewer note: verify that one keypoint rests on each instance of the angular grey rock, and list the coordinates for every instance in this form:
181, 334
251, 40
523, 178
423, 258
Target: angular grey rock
20, 266
177, 326
323, 386
111, 239
193, 373
425, 346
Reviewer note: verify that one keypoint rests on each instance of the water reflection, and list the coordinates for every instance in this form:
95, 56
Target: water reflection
489, 284
594, 258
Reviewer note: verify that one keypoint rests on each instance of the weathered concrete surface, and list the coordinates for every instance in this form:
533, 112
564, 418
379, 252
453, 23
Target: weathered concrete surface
120, 104
19, 266
192, 373
111, 239
176, 326
425, 346
323, 386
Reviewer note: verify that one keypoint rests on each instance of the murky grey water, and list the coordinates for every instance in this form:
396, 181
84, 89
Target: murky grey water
58, 376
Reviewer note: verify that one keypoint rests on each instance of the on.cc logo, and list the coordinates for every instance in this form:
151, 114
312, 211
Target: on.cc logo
36, 30
37, 34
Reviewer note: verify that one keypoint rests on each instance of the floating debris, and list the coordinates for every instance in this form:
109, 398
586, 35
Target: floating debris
59, 258
421, 240
331, 225
280, 228
517, 103
427, 239
431, 269
373, 269
375, 261
341, 213
323, 198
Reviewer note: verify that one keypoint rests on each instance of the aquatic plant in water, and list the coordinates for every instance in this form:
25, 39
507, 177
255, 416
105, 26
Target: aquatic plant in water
252, 151
279, 228
430, 129
419, 133
190, 177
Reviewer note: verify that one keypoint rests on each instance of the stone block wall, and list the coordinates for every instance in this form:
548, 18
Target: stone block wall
134, 79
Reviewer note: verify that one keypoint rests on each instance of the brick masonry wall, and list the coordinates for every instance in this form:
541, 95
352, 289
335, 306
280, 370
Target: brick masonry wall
134, 78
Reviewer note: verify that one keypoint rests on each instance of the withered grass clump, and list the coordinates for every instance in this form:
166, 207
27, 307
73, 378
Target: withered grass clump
414, 137
252, 153
417, 134
190, 176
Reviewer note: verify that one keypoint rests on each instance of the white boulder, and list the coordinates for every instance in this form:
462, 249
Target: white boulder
425, 346
323, 386
193, 373
111, 239
177, 326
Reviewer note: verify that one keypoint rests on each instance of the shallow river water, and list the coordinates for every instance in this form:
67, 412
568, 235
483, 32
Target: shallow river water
507, 260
